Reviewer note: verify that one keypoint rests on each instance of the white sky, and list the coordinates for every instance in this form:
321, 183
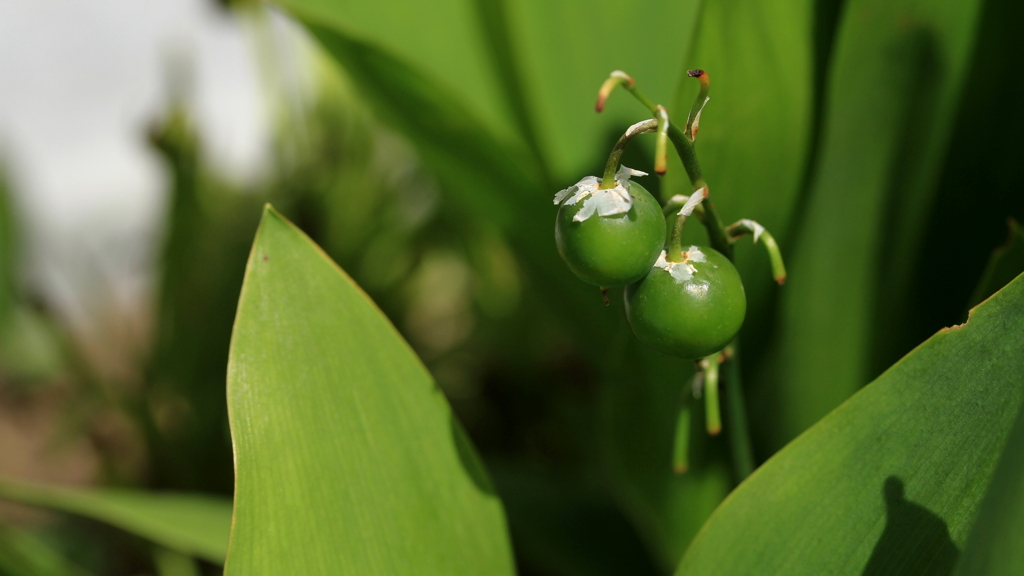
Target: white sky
79, 83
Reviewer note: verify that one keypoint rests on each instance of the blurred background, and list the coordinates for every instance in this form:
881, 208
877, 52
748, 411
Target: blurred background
139, 141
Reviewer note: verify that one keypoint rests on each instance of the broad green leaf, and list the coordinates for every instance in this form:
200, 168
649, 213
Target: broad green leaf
995, 546
890, 482
528, 69
568, 48
1005, 264
189, 523
348, 458
895, 78
442, 40
480, 174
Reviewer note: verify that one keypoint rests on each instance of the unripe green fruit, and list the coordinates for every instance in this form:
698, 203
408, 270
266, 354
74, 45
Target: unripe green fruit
612, 250
693, 317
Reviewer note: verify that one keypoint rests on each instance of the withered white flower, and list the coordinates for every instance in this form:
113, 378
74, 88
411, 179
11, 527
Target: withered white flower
692, 201
615, 200
696, 119
681, 271
754, 227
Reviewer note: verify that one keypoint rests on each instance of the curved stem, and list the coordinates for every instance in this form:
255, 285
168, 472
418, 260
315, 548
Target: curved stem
716, 231
693, 201
660, 150
616, 78
747, 226
684, 147
645, 127
675, 240
631, 87
693, 119
713, 413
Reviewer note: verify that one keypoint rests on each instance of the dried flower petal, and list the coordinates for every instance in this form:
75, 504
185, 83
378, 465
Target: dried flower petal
691, 203
608, 202
681, 271
754, 227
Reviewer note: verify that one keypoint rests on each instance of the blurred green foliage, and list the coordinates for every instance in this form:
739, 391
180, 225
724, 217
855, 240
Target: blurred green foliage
878, 140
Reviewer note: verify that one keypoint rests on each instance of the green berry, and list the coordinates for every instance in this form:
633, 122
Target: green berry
613, 250
688, 309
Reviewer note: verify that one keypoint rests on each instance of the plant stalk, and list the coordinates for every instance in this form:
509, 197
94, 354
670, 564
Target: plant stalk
698, 104
746, 226
720, 241
645, 127
675, 240
712, 410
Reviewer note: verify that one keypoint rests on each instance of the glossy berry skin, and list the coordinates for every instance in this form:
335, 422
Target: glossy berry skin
692, 318
614, 250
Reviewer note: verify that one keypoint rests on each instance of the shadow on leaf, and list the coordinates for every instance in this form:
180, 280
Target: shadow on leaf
915, 540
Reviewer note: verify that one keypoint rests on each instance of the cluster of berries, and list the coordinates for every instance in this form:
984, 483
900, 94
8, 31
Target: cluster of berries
690, 304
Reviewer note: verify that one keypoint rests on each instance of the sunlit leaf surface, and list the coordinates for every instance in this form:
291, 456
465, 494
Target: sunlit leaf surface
890, 482
348, 458
996, 544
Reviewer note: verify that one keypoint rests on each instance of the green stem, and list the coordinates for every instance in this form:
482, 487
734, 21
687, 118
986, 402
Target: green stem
716, 231
684, 147
661, 149
713, 413
681, 447
739, 431
747, 226
631, 87
698, 104
645, 127
616, 78
720, 240
675, 240
688, 205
